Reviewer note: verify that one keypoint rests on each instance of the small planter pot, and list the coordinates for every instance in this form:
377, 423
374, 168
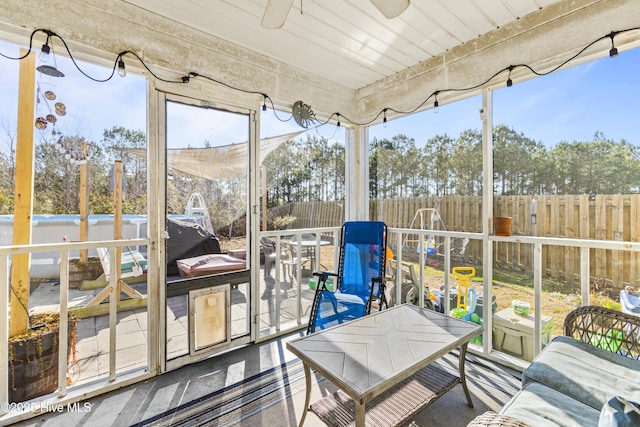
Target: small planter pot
502, 225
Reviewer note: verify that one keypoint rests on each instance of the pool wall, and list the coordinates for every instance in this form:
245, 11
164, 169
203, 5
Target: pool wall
60, 228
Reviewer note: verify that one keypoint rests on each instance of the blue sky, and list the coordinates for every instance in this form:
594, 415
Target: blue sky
571, 104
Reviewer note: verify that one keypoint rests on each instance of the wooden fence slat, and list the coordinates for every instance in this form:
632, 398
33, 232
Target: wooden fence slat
617, 233
601, 233
554, 230
626, 257
569, 232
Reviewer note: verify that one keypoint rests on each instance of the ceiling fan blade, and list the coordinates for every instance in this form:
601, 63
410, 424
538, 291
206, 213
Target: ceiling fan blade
391, 8
276, 13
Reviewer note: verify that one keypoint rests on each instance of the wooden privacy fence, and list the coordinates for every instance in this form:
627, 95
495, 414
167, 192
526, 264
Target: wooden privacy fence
608, 217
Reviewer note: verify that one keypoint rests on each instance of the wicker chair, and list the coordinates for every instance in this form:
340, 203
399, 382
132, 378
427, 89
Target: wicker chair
599, 326
605, 328
491, 419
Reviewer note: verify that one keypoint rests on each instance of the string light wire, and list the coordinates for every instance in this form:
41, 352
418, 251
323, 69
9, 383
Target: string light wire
186, 78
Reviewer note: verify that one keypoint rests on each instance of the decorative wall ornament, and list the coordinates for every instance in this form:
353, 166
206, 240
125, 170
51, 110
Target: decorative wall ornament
48, 104
303, 114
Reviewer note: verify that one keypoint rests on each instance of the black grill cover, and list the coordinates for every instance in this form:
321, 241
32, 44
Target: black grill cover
187, 240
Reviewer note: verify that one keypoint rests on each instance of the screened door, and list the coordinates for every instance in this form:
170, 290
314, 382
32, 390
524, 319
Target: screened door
206, 243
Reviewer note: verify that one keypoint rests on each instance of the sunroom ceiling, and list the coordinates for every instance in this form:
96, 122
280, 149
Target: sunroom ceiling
348, 42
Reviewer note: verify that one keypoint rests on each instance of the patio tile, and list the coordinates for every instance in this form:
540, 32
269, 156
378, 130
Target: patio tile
128, 326
177, 345
86, 348
102, 338
122, 316
177, 307
142, 320
239, 328
85, 328
126, 358
130, 339
176, 328
184, 322
87, 369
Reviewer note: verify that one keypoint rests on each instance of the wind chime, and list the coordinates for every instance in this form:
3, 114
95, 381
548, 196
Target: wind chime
49, 107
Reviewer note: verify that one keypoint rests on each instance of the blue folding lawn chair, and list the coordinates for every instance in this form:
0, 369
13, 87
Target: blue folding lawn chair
359, 280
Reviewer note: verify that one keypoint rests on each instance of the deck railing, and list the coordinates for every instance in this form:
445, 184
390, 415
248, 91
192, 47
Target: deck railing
538, 244
603, 217
324, 258
397, 238
114, 379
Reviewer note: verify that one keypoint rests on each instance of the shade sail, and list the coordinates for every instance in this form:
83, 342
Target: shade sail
216, 163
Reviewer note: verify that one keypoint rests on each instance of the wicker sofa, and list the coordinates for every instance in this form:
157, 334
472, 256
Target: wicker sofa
572, 379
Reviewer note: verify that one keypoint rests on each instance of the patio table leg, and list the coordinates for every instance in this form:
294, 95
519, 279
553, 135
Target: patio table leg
359, 414
463, 380
307, 380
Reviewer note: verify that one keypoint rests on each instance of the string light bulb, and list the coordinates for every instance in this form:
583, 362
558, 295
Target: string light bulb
264, 103
384, 118
338, 114
44, 52
435, 103
613, 52
509, 81
122, 72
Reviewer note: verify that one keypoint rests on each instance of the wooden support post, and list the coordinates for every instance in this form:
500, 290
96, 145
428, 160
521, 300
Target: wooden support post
23, 198
117, 235
84, 202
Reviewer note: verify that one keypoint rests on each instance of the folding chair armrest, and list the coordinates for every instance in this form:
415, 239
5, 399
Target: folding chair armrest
322, 279
328, 273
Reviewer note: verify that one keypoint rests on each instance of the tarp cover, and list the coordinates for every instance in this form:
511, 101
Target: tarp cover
216, 163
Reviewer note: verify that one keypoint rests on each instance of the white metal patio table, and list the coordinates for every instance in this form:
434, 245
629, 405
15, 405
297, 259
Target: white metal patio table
308, 242
386, 359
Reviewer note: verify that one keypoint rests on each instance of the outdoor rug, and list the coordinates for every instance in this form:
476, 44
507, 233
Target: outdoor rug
233, 404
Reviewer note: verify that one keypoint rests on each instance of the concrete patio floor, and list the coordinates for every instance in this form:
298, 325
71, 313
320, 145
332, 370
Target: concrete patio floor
155, 396
92, 344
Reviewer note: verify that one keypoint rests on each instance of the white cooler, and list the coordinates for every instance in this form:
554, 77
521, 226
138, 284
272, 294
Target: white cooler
513, 334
